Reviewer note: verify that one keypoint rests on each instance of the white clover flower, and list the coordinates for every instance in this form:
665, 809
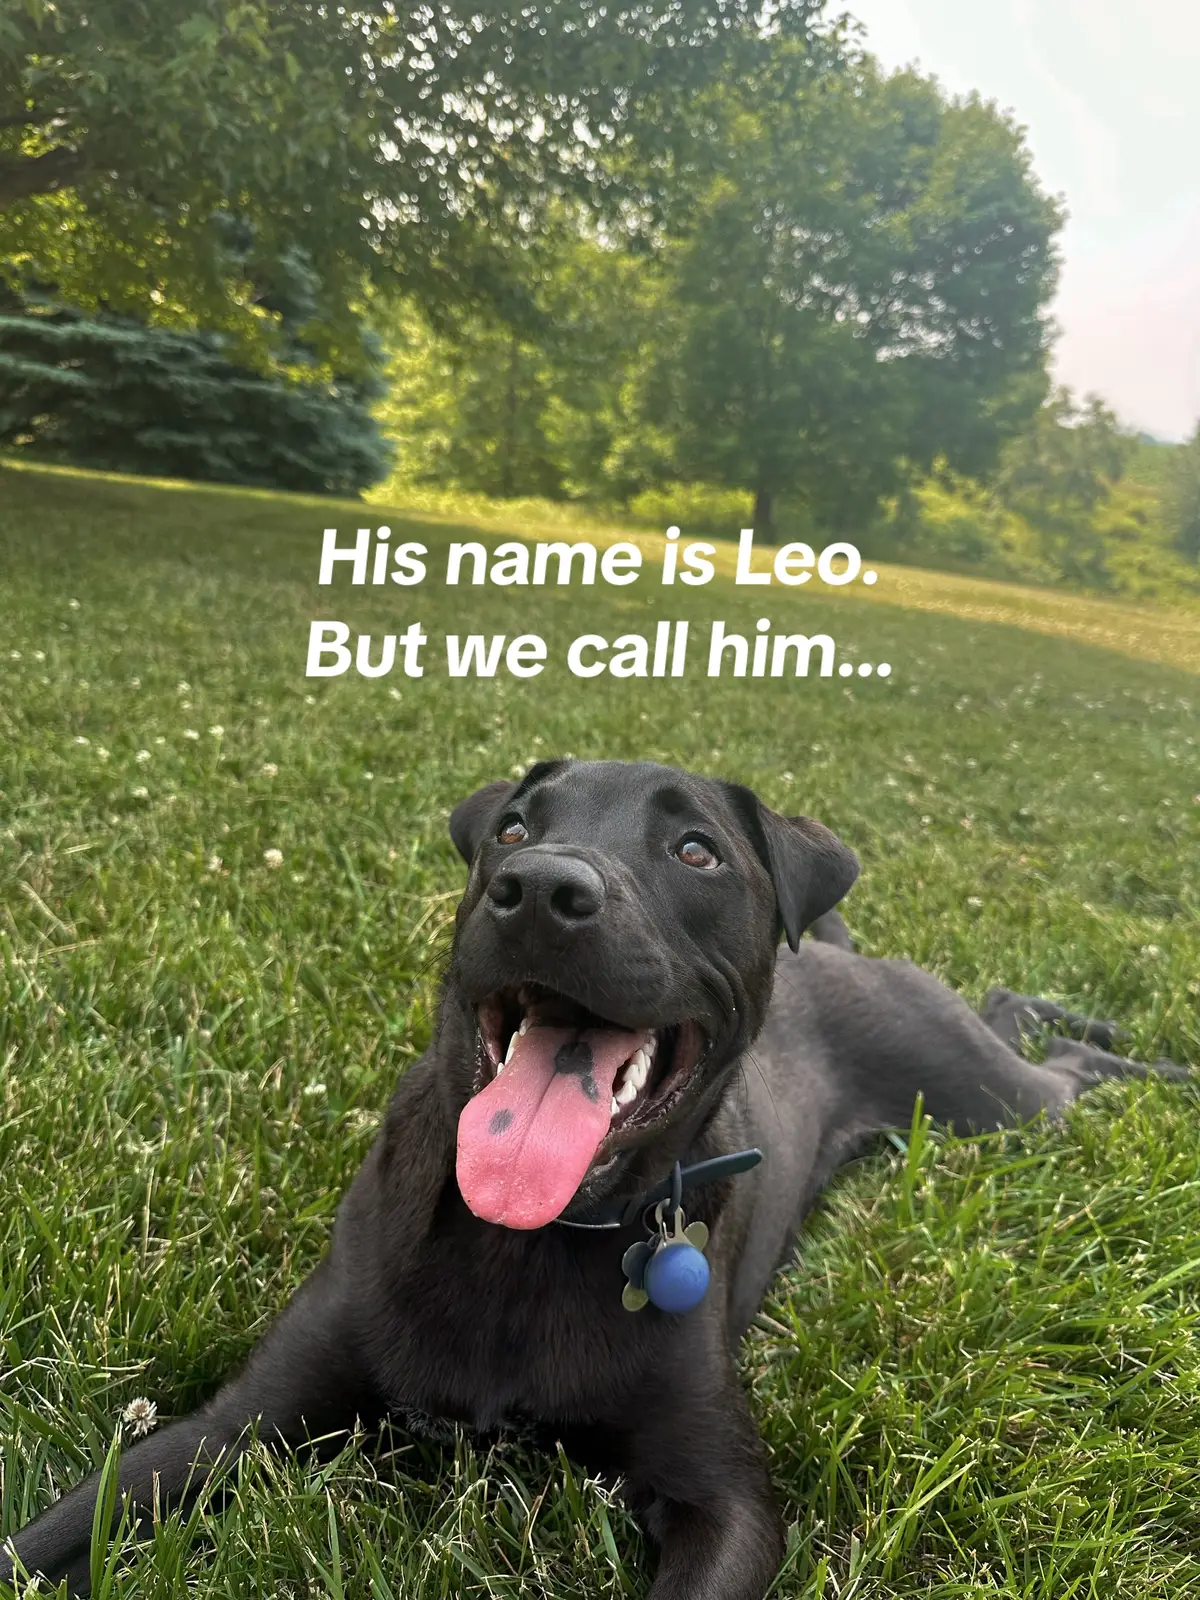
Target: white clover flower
142, 755
313, 1091
213, 864
102, 752
310, 699
216, 730
74, 604
39, 655
135, 683
268, 770
273, 858
79, 739
974, 900
141, 1415
161, 739
183, 688
190, 733
141, 792
14, 655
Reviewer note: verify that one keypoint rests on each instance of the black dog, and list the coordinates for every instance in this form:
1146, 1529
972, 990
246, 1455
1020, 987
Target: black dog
615, 958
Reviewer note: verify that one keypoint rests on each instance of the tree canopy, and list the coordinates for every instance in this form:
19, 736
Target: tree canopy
845, 284
405, 142
857, 291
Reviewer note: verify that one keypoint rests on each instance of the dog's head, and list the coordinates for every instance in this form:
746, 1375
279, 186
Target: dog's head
613, 957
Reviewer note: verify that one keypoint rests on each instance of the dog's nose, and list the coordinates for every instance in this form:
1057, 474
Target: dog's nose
565, 885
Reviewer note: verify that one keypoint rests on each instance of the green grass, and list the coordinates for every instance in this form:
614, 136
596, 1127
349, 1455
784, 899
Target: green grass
983, 1375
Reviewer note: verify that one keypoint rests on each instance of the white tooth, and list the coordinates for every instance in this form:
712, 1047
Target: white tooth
512, 1045
638, 1070
627, 1092
615, 1107
524, 1028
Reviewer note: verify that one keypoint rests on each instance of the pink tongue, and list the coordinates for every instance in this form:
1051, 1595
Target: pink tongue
526, 1140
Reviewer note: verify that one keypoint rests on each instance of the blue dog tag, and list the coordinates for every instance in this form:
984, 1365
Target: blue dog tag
668, 1270
676, 1278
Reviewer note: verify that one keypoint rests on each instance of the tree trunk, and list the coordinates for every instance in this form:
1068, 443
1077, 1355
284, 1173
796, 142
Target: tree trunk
764, 514
508, 443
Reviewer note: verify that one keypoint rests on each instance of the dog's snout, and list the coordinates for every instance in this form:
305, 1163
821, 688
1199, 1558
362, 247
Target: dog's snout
565, 885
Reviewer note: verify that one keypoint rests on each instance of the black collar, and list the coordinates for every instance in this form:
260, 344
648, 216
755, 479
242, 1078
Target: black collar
621, 1213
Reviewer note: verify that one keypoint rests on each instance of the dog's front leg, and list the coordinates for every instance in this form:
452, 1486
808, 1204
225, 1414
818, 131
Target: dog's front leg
302, 1380
698, 1480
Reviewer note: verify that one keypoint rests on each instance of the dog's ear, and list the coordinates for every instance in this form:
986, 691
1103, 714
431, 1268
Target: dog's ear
470, 819
810, 866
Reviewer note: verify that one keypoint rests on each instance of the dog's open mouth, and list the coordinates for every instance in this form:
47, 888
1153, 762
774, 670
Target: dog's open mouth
558, 1088
648, 1080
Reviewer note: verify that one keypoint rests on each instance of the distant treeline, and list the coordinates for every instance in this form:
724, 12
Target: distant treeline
1072, 498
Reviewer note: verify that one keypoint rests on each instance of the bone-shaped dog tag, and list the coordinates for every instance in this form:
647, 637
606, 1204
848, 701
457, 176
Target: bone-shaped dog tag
633, 1262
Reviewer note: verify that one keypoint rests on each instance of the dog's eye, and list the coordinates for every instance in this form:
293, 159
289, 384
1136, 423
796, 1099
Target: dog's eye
694, 852
512, 831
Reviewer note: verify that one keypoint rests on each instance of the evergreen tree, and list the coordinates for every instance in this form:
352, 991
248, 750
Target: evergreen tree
109, 392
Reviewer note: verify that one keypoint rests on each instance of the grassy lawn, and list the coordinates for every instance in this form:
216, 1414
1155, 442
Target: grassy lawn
983, 1375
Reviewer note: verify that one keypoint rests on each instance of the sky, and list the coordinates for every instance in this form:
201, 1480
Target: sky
1109, 94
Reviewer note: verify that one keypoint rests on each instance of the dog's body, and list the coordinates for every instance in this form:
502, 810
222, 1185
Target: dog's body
640, 904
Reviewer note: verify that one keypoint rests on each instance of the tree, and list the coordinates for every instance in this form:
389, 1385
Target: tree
403, 142
108, 392
1058, 474
530, 408
858, 283
1066, 461
1183, 498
